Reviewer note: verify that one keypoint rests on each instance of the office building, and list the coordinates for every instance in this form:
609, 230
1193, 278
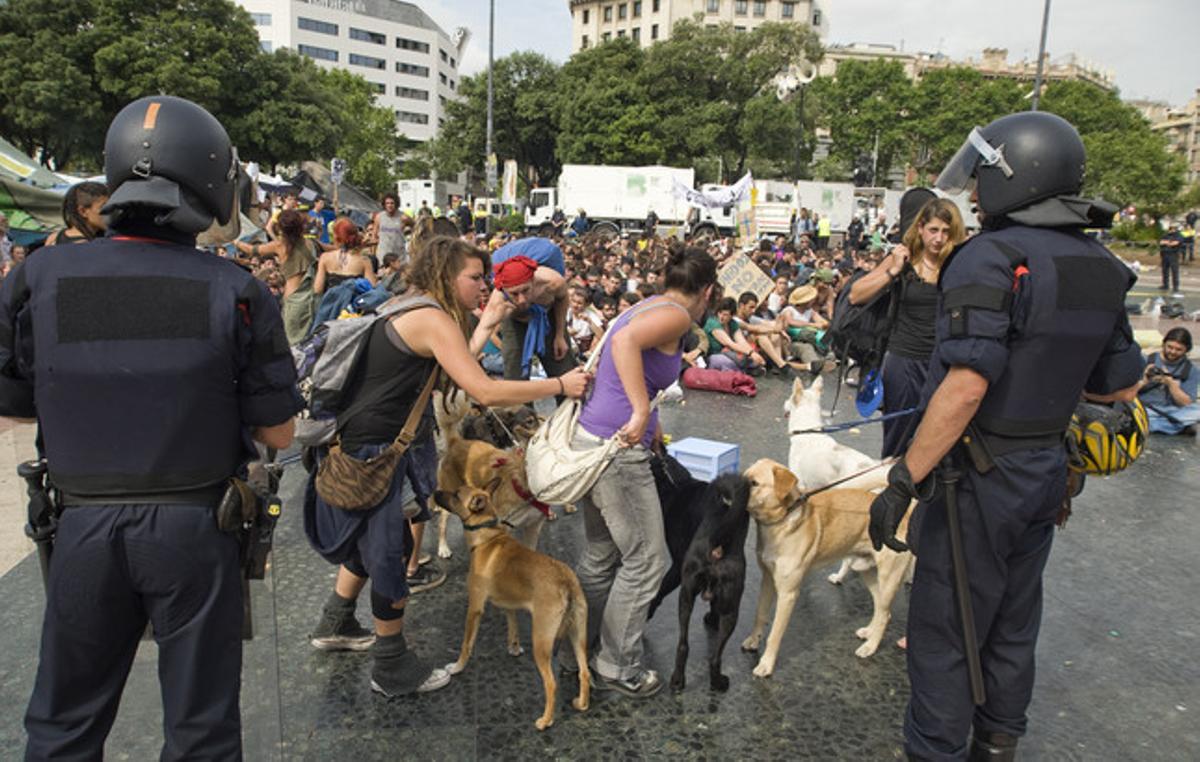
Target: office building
412, 63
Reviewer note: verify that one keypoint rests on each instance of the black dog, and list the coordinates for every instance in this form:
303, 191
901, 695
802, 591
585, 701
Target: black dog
706, 527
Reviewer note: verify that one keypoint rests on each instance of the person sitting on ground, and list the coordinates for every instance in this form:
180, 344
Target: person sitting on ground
728, 348
344, 263
803, 325
778, 298
584, 322
81, 214
1169, 394
627, 300
391, 275
767, 334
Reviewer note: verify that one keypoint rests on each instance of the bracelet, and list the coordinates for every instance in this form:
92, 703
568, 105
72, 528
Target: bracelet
562, 390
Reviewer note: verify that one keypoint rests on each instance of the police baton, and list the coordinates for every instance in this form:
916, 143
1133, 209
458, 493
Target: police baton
42, 519
949, 475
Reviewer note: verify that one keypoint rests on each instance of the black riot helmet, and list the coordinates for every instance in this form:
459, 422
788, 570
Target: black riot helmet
1017, 161
171, 158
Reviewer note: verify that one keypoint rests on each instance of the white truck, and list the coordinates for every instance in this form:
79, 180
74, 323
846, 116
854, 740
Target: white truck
616, 199
772, 203
433, 192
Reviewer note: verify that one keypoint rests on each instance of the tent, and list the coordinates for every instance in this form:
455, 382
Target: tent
316, 178
30, 196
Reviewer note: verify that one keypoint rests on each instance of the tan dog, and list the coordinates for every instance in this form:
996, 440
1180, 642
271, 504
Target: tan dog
514, 577
476, 463
825, 528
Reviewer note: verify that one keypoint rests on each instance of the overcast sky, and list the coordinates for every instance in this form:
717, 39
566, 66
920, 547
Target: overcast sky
1149, 45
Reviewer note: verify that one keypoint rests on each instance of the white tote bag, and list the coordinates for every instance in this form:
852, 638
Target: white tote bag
558, 473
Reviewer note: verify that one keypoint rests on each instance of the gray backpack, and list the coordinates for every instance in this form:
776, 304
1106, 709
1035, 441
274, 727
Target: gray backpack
327, 361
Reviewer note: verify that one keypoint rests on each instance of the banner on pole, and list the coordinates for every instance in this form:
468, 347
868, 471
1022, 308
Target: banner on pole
714, 199
508, 192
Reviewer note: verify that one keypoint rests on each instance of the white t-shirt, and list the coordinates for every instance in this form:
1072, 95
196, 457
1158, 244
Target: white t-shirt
803, 316
581, 326
776, 302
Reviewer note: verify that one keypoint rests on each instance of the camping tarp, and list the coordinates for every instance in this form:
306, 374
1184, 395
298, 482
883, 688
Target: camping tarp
316, 177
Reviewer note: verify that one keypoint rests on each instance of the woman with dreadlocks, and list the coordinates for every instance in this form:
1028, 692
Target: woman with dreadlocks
428, 333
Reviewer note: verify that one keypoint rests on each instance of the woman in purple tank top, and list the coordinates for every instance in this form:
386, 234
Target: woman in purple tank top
626, 554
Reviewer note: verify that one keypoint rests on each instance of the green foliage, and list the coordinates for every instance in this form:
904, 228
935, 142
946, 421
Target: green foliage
947, 103
1128, 163
524, 125
1136, 232
865, 101
605, 114
511, 223
713, 90
66, 68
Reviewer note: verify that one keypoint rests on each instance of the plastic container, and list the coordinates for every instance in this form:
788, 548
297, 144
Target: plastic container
706, 459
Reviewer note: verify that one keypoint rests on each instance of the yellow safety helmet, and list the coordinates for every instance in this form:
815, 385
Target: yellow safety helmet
1104, 439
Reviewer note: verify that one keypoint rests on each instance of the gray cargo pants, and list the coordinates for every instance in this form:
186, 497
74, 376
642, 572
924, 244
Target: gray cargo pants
625, 559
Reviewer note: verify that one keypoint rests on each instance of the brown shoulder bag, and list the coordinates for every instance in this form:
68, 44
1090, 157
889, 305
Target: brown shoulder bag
346, 482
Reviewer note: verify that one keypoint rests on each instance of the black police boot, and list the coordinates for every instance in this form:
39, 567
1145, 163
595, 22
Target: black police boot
396, 671
992, 747
339, 629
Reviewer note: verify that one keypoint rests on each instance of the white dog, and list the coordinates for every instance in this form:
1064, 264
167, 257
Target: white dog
818, 459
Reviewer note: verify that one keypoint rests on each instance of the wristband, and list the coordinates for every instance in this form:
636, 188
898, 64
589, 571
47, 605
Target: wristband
562, 390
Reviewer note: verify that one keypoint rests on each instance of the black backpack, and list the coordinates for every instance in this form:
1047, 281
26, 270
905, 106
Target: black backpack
859, 332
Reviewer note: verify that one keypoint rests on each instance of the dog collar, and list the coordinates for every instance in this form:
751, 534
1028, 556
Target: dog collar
494, 522
528, 497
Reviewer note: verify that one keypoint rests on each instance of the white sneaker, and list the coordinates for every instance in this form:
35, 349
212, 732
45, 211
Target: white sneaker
438, 678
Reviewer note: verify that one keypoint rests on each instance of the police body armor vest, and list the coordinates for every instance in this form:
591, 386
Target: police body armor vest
136, 365
1063, 312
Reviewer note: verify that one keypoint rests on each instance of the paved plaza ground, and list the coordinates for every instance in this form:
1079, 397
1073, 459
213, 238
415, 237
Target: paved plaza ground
1118, 677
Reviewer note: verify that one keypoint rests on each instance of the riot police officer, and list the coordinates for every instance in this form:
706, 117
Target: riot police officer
1031, 316
151, 368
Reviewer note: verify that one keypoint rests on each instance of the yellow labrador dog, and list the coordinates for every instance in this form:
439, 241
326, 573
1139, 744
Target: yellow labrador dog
795, 536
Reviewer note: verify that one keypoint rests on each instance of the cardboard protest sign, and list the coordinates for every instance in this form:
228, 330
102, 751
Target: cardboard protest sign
740, 275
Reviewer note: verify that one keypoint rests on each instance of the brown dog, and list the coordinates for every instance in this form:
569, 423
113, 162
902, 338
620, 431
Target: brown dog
794, 537
476, 463
514, 577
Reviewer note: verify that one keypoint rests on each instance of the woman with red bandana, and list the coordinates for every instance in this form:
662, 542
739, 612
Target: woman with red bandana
529, 274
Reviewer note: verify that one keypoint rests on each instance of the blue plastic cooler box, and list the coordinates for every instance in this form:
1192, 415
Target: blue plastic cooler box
704, 458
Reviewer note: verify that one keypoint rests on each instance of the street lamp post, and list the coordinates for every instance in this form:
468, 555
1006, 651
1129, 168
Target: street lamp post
1037, 83
487, 158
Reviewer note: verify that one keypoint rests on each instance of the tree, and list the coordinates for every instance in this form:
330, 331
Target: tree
366, 133
713, 91
1128, 163
604, 112
524, 121
867, 103
948, 103
67, 68
48, 98
297, 112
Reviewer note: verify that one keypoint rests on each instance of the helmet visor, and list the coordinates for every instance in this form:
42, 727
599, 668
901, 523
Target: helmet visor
959, 173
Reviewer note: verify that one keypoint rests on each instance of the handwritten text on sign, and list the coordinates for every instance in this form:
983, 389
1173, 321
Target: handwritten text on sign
740, 275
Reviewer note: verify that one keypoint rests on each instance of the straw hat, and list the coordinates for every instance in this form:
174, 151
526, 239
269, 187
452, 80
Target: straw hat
802, 295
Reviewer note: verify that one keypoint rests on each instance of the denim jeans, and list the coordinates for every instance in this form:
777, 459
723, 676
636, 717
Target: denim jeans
625, 559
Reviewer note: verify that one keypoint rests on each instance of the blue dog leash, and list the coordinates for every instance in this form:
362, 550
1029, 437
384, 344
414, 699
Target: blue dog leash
851, 424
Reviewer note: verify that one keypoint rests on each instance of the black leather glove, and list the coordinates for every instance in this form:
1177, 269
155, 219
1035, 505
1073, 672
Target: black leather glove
889, 507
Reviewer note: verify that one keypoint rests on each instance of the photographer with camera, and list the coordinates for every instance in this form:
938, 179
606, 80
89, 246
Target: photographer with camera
1169, 394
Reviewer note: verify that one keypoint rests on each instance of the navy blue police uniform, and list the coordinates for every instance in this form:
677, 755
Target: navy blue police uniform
147, 364
1039, 313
